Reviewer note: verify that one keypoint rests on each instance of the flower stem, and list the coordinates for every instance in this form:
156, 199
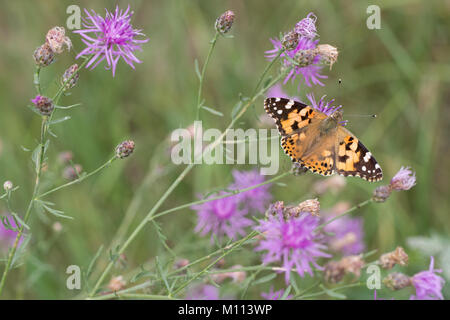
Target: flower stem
261, 78
83, 177
36, 80
359, 205
179, 179
30, 205
202, 76
233, 247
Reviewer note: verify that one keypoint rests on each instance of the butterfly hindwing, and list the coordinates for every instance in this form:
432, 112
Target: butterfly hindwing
353, 158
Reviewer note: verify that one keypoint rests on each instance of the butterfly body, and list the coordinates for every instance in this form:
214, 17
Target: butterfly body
319, 142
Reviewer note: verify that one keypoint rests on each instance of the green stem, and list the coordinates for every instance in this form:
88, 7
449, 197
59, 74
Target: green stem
268, 67
36, 80
202, 76
106, 164
359, 205
178, 180
30, 205
236, 245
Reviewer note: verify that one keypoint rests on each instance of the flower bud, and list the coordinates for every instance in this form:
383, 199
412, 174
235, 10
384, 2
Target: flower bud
72, 71
390, 259
56, 39
116, 283
397, 281
290, 40
333, 272
333, 184
304, 58
381, 193
8, 185
124, 149
224, 22
312, 206
44, 55
328, 54
44, 105
72, 172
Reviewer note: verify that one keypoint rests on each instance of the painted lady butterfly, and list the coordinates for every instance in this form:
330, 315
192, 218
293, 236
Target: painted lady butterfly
319, 142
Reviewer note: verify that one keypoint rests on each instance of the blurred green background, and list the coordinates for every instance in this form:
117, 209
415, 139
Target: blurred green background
400, 72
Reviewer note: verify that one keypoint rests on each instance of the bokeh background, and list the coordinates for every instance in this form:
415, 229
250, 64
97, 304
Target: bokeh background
400, 72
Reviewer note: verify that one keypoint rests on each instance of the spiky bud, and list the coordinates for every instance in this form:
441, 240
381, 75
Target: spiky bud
124, 149
225, 22
72, 74
381, 193
390, 259
336, 270
44, 55
116, 283
397, 281
312, 206
56, 39
8, 185
307, 27
328, 54
290, 40
404, 179
72, 172
44, 105
304, 58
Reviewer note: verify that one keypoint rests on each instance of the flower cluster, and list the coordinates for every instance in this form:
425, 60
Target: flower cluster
293, 241
110, 38
428, 284
301, 52
228, 215
55, 42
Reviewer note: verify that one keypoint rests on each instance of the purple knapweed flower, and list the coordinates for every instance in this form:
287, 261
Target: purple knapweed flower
275, 295
292, 241
310, 73
348, 235
405, 179
7, 236
254, 199
222, 217
203, 292
428, 284
325, 106
110, 38
307, 27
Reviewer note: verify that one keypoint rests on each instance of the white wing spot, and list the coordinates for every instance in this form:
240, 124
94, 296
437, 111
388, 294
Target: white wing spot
367, 157
289, 104
364, 168
280, 111
277, 99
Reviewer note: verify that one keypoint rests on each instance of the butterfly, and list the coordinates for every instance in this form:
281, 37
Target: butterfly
319, 142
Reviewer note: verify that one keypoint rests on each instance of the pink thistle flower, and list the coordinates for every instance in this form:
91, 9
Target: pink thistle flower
405, 179
110, 38
254, 199
307, 27
428, 284
310, 73
275, 295
222, 217
292, 241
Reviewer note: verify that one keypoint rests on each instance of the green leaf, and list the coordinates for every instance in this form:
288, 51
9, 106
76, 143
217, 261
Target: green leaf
68, 107
56, 213
92, 263
265, 279
217, 113
237, 107
36, 155
59, 120
197, 69
332, 293
286, 293
20, 220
